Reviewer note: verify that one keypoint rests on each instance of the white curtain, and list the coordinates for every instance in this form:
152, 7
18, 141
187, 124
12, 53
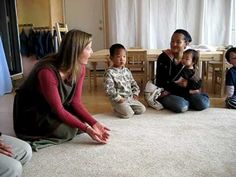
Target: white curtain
150, 23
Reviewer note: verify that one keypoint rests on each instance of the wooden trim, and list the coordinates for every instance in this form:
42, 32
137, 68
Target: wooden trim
63, 12
105, 24
50, 14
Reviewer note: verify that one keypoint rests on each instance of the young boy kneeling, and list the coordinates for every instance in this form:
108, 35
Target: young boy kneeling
120, 86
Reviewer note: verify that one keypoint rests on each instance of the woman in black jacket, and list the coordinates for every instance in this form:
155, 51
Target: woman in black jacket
166, 71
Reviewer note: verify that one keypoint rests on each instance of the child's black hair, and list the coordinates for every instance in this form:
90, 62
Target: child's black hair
195, 55
227, 54
187, 36
115, 47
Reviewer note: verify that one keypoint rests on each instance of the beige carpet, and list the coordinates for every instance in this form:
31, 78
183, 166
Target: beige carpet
156, 144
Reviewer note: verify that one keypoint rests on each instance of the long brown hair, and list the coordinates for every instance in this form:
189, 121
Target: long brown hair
69, 51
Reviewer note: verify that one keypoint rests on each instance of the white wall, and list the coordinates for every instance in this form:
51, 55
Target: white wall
86, 15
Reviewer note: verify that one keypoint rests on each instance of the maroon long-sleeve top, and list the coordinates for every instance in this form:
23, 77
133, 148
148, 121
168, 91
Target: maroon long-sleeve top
48, 86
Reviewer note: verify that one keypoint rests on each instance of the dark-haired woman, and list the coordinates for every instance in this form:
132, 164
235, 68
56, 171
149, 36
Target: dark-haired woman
166, 71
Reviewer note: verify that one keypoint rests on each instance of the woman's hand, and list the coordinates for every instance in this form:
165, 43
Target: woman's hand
98, 132
5, 149
103, 130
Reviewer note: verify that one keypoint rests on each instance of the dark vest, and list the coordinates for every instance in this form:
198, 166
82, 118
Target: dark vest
32, 115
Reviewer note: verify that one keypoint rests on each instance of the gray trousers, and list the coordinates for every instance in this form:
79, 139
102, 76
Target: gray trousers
128, 108
12, 166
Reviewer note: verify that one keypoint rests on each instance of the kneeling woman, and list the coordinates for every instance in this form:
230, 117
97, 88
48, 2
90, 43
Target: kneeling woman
47, 107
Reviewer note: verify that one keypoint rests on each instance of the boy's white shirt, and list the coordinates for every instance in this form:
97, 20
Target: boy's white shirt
115, 94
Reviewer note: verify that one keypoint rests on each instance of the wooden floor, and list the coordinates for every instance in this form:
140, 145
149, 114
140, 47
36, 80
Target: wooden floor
95, 99
97, 102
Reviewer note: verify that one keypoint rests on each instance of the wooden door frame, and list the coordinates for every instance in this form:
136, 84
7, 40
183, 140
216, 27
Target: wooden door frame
106, 24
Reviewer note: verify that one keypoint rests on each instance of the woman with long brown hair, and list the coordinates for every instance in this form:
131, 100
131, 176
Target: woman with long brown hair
47, 107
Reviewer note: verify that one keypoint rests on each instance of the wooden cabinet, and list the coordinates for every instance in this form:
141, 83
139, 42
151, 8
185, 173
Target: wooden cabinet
43, 13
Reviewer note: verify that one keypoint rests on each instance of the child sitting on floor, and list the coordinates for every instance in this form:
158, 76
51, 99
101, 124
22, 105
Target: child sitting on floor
187, 79
120, 85
231, 79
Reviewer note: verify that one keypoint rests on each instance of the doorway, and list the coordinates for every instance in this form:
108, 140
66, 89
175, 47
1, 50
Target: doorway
87, 15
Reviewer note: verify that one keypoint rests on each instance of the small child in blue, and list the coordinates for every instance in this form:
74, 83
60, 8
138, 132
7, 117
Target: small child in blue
120, 86
230, 101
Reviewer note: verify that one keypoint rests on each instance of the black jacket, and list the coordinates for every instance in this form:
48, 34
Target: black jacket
165, 71
168, 71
